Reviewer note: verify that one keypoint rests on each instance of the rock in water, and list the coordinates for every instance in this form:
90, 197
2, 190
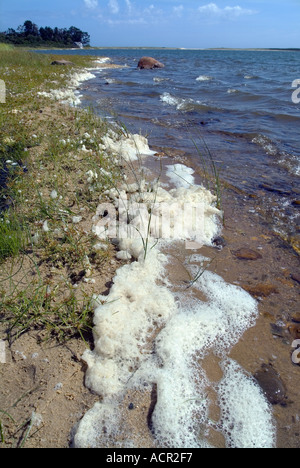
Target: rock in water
148, 63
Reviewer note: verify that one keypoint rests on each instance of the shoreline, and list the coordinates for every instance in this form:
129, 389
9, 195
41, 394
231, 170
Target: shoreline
266, 281
179, 48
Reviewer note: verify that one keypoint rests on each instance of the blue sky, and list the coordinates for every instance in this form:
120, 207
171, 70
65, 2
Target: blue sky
166, 23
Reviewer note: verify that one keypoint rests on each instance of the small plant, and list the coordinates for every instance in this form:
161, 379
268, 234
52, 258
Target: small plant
4, 413
13, 235
210, 171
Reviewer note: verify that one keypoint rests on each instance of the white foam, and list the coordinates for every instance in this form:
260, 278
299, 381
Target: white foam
136, 303
180, 103
180, 175
178, 214
169, 99
204, 78
190, 329
266, 143
158, 79
144, 334
103, 60
69, 95
128, 148
246, 417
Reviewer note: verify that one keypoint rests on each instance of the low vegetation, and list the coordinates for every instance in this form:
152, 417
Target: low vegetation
48, 152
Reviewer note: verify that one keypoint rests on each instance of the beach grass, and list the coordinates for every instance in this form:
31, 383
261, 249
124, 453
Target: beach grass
47, 250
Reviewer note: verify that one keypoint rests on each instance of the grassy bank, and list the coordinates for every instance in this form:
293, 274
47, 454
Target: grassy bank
48, 152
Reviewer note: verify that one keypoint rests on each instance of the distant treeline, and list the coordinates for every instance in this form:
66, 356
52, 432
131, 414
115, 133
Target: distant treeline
31, 35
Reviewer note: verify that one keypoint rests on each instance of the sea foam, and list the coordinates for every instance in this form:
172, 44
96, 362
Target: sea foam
69, 96
145, 334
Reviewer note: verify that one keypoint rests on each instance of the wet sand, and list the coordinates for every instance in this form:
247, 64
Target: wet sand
251, 256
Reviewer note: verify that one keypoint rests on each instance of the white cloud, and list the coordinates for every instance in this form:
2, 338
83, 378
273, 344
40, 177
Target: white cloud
114, 6
91, 3
212, 10
129, 6
178, 10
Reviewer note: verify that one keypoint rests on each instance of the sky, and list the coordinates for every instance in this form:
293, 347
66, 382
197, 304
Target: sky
166, 23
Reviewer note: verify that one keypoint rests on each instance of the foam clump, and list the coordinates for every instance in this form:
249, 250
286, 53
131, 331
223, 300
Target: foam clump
128, 148
180, 175
181, 214
186, 331
196, 329
90, 433
145, 335
246, 416
135, 305
69, 96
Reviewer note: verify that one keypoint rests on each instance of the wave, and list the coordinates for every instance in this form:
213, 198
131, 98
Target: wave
266, 143
158, 79
186, 105
204, 78
291, 162
103, 60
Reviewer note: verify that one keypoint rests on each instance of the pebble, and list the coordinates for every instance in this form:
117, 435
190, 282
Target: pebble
261, 289
295, 277
271, 384
219, 242
76, 219
296, 317
294, 329
246, 254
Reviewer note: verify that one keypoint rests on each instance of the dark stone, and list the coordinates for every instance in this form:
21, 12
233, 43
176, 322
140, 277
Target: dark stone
276, 330
296, 317
219, 241
271, 384
131, 406
148, 63
61, 62
295, 277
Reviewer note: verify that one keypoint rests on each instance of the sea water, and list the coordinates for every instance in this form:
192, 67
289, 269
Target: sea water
240, 105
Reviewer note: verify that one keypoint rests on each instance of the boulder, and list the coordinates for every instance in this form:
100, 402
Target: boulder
148, 63
61, 62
